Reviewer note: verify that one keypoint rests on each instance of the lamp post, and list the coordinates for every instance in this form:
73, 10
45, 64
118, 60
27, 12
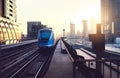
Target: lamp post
63, 32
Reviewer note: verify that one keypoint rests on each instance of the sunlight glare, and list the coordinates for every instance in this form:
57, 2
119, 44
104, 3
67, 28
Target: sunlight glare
87, 14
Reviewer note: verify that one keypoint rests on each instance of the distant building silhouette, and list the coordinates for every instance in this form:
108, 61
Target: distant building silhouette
72, 29
85, 28
92, 25
110, 18
33, 28
10, 32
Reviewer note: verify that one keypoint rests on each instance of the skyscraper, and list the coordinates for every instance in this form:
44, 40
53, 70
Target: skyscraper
110, 18
72, 29
93, 23
10, 32
85, 28
8, 9
33, 28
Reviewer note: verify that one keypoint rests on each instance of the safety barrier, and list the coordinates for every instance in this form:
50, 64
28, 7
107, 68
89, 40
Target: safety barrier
110, 67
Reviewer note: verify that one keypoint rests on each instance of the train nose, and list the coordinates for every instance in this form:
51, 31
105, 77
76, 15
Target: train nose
45, 40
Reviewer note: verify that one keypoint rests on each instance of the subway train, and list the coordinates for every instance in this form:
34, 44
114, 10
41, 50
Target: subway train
46, 39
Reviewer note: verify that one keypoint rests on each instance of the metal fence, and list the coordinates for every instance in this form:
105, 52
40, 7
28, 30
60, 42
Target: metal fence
110, 68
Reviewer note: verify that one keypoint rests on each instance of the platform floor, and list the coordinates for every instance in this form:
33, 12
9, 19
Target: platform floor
60, 66
17, 44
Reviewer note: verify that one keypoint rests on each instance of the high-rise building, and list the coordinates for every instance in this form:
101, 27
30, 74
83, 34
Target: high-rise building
110, 18
8, 9
10, 32
92, 25
72, 29
85, 28
1, 7
33, 28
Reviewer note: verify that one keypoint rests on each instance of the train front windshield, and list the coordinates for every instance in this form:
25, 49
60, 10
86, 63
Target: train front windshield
45, 34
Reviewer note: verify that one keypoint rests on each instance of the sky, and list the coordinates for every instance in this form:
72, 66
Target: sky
57, 13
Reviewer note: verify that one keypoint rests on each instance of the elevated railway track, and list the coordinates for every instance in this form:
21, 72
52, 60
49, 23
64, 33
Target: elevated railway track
24, 61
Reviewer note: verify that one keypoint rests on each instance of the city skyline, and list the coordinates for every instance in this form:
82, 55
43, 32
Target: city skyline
57, 13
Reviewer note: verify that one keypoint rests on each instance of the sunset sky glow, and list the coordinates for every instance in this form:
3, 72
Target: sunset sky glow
57, 13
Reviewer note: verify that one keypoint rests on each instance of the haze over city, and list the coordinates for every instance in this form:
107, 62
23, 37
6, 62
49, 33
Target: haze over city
57, 13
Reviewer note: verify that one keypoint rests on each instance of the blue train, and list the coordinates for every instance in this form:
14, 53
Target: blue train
45, 38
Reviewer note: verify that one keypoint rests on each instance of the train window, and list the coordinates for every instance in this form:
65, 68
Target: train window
45, 34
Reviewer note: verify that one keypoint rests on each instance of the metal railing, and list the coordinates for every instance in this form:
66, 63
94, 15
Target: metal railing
110, 68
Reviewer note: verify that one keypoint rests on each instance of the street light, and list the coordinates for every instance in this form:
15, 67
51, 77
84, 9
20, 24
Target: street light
63, 32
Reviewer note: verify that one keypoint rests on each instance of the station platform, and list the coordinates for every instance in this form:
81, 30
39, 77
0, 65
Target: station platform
61, 65
17, 44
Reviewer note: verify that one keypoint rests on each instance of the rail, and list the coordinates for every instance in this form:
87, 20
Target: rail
25, 63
